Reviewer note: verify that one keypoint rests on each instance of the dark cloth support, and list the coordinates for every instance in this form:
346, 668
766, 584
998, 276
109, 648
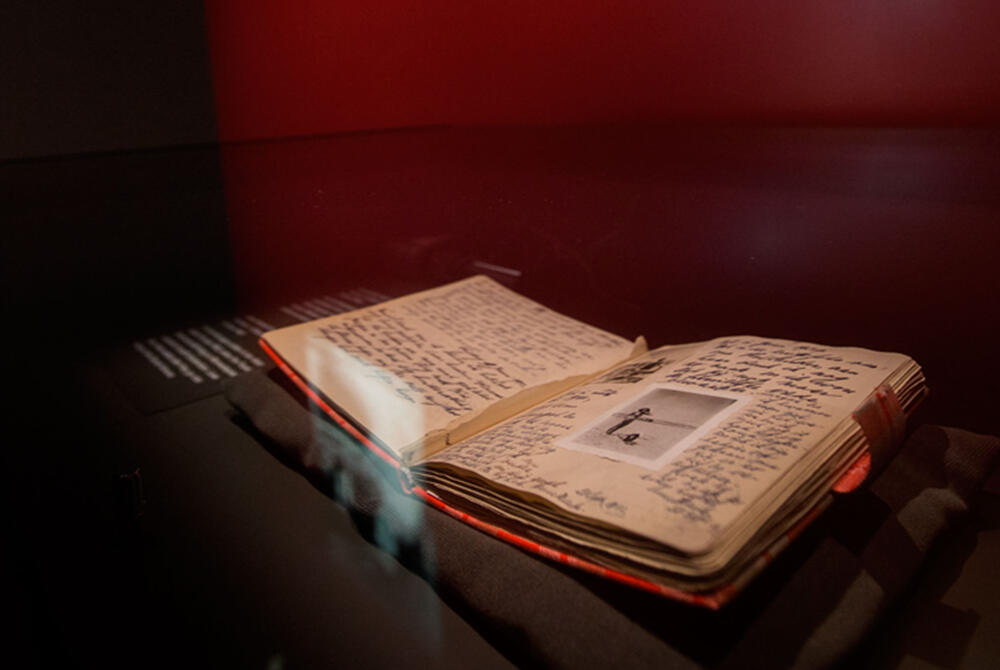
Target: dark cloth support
809, 609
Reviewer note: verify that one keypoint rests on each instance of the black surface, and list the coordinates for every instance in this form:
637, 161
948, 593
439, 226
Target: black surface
866, 237
100, 246
235, 561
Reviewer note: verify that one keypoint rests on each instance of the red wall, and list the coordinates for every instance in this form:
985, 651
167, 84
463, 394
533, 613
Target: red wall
318, 66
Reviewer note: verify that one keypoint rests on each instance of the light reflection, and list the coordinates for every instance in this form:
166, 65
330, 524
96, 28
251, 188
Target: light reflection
397, 520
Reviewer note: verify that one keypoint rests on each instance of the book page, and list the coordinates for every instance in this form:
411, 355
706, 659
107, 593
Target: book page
675, 445
431, 368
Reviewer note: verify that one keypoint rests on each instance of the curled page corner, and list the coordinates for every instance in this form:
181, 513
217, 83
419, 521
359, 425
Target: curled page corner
639, 347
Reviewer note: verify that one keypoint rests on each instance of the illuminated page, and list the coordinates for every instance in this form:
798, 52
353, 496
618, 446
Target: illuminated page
428, 369
677, 445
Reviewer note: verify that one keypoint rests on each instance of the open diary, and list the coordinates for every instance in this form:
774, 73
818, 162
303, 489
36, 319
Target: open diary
682, 470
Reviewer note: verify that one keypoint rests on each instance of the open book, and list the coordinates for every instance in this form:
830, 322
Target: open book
681, 470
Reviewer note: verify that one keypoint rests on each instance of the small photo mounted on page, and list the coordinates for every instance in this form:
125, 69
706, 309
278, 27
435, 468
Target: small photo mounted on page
656, 427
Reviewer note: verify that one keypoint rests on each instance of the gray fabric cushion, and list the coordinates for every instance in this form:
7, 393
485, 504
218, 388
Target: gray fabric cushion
807, 610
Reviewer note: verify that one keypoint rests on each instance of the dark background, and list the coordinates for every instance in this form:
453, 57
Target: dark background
81, 77
112, 75
826, 171
117, 198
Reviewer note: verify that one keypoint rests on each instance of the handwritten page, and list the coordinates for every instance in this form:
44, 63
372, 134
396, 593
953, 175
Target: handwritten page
678, 445
425, 370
